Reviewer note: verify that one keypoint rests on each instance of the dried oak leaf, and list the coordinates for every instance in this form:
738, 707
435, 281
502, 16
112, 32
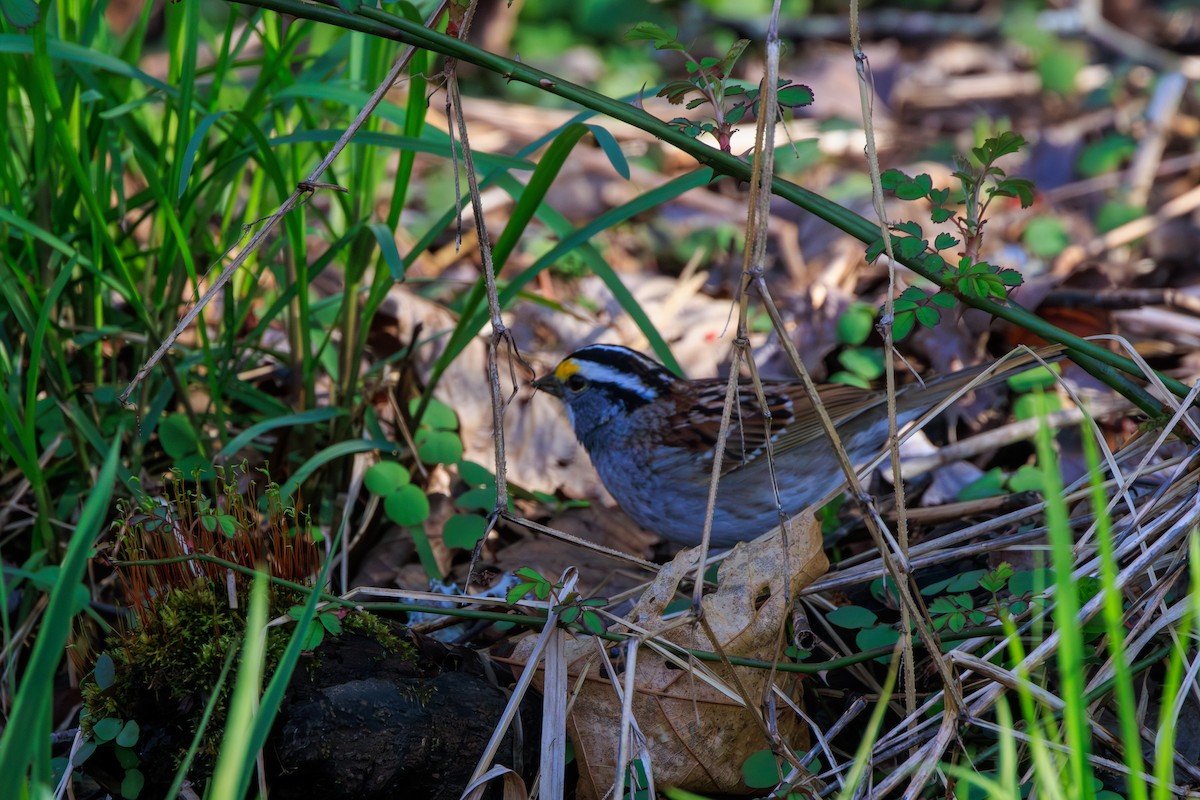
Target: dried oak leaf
691, 715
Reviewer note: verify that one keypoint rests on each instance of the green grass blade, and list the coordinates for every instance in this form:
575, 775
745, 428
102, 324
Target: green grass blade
19, 44
235, 762
332, 453
608, 144
1066, 612
189, 153
310, 417
862, 756
1114, 613
29, 722
530, 199
1172, 685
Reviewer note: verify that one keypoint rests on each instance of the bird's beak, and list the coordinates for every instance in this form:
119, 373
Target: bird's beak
549, 384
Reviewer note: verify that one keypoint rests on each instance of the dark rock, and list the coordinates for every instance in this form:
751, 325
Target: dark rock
364, 724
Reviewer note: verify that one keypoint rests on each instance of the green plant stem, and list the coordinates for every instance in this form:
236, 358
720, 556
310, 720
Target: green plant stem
537, 622
381, 23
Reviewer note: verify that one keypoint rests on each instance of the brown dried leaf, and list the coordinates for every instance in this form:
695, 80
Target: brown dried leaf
697, 729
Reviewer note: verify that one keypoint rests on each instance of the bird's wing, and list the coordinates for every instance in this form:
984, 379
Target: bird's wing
791, 424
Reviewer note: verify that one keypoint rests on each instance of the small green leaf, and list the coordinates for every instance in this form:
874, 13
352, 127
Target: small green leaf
1010, 277
1037, 404
877, 636
1020, 188
463, 531
852, 617
386, 477
530, 574
990, 484
1027, 478
438, 415
517, 592
927, 316
21, 14
944, 300
855, 324
229, 524
125, 757
438, 446
407, 506
903, 324
648, 31
1046, 237
178, 437
944, 241
934, 262
1031, 581
935, 588
733, 54
107, 729
475, 474
1059, 67
1038, 377
891, 178
849, 379
918, 188
675, 92
761, 770
593, 623
874, 250
795, 95
314, 636
866, 362
105, 671
1106, 155
909, 247
482, 499
1114, 214
1003, 144
330, 622
132, 784
994, 580
129, 734
966, 582
910, 227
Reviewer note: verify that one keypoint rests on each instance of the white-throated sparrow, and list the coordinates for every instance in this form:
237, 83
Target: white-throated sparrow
651, 437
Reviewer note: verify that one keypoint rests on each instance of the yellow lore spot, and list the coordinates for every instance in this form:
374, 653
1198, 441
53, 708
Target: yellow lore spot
566, 369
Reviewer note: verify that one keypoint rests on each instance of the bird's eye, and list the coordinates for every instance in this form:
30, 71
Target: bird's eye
577, 383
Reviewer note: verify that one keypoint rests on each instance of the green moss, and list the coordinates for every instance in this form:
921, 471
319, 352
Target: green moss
168, 665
